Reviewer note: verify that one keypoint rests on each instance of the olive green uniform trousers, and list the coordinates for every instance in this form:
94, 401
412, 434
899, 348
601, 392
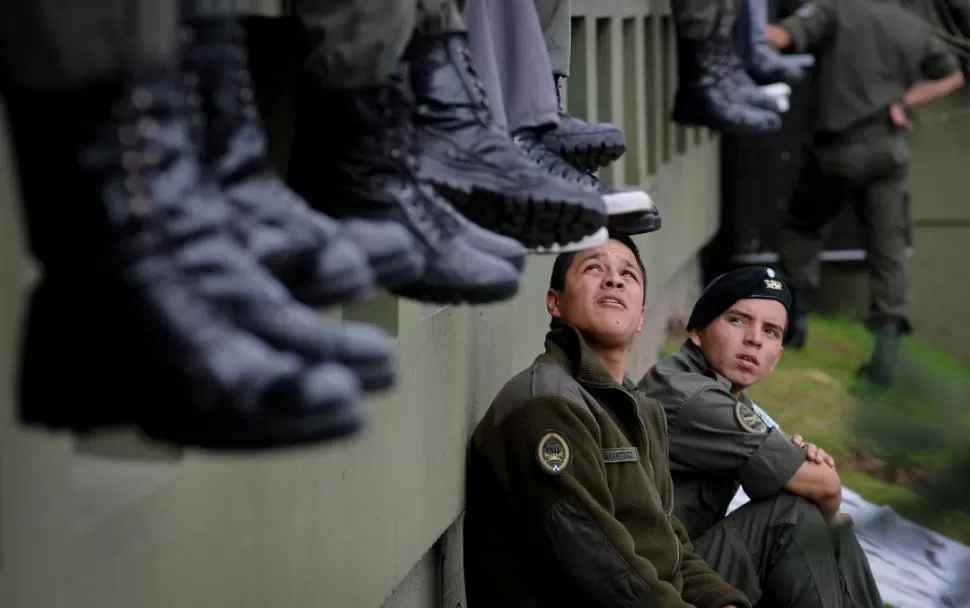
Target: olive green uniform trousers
778, 551
865, 167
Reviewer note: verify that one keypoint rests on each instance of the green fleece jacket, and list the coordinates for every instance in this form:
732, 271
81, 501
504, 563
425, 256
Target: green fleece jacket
569, 496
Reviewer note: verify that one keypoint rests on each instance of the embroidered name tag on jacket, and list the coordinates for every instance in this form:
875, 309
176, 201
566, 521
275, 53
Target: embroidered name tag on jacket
615, 455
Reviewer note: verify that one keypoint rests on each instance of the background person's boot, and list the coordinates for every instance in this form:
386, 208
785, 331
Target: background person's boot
476, 165
713, 93
320, 263
586, 146
881, 367
761, 60
354, 157
130, 262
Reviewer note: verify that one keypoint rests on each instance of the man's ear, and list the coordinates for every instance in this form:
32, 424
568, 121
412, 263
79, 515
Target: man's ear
695, 337
643, 313
552, 303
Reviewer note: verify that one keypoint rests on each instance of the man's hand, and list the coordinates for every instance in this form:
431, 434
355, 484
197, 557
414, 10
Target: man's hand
897, 112
778, 37
813, 453
841, 519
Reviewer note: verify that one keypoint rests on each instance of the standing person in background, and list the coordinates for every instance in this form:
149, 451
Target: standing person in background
875, 62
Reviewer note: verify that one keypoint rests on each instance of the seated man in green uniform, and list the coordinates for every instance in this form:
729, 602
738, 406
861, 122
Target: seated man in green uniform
791, 545
568, 492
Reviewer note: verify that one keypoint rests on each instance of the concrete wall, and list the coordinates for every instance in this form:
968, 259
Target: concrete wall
114, 522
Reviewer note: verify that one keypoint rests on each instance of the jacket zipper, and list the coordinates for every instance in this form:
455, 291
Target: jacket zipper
646, 447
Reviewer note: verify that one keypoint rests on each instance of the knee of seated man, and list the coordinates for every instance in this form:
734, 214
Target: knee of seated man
798, 511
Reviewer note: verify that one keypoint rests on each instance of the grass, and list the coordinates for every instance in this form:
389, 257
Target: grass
892, 446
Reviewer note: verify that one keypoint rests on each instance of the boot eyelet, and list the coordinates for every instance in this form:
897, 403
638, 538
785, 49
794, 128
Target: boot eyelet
131, 161
153, 155
141, 98
147, 128
190, 80
135, 185
193, 99
140, 206
127, 135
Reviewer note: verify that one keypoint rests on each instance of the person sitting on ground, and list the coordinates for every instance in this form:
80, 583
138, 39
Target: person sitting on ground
568, 492
791, 545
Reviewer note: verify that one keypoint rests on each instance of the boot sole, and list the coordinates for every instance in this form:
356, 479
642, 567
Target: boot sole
57, 407
634, 226
434, 294
261, 432
534, 223
598, 238
591, 158
625, 202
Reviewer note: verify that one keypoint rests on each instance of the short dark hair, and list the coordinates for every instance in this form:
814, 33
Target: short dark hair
557, 280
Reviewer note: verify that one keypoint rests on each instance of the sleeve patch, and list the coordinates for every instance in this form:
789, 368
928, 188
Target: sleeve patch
749, 419
553, 453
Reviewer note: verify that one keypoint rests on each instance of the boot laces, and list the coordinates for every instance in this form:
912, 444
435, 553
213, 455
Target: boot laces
547, 159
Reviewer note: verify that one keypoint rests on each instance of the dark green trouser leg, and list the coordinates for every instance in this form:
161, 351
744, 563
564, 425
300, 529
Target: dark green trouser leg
53, 44
361, 40
883, 211
554, 18
782, 554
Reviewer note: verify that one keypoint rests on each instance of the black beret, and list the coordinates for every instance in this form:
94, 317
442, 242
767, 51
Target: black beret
740, 284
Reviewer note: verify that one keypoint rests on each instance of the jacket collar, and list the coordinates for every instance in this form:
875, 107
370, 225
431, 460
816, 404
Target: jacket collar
566, 346
696, 362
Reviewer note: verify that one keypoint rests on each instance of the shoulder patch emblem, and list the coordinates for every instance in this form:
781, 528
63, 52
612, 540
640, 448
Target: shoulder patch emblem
552, 453
749, 419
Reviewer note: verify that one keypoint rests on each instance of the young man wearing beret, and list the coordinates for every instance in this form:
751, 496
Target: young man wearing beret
790, 546
568, 490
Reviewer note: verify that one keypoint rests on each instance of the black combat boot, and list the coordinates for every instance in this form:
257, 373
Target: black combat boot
586, 146
476, 165
310, 253
353, 157
714, 91
618, 201
200, 347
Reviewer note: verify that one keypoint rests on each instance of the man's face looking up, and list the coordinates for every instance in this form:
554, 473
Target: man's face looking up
602, 295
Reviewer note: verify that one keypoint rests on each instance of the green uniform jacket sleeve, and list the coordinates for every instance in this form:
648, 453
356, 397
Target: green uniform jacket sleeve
812, 23
570, 513
702, 585
707, 436
938, 61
